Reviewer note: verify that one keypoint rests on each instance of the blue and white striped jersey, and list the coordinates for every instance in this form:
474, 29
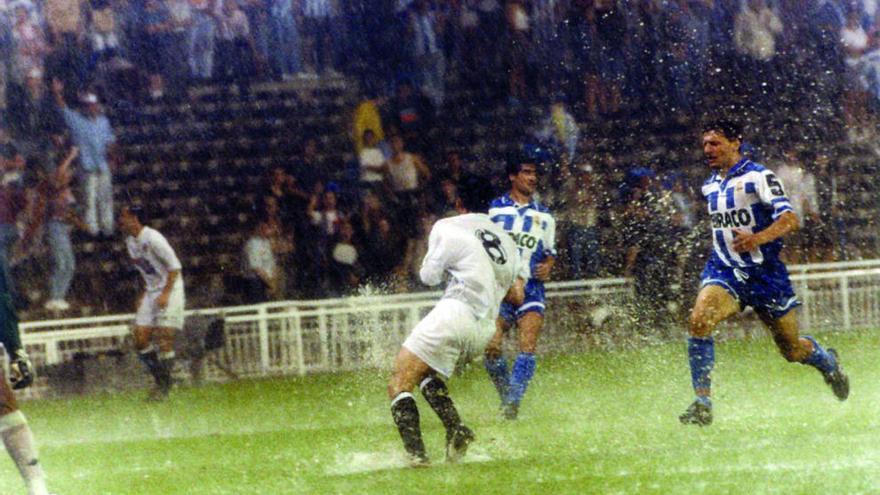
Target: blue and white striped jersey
531, 226
749, 198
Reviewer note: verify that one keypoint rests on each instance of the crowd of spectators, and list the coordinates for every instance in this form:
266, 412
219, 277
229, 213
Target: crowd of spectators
556, 66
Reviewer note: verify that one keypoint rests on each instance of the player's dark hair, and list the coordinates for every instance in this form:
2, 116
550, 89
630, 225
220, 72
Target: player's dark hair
516, 161
141, 211
475, 193
729, 129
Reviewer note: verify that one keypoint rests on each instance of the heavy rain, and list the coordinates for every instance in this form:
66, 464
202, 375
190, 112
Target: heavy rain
439, 246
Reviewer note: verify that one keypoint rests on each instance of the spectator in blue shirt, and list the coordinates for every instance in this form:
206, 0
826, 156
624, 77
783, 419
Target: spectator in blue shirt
92, 134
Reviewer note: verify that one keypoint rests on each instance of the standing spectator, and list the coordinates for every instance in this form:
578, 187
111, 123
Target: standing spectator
517, 49
584, 38
372, 163
54, 200
446, 196
64, 18
830, 238
755, 31
428, 52
5, 56
367, 117
257, 12
611, 34
236, 49
679, 62
455, 167
324, 214
345, 269
154, 50
325, 219
33, 114
290, 196
800, 187
408, 175
649, 231
65, 22
319, 18
180, 19
855, 43
201, 41
92, 134
12, 202
560, 131
260, 266
412, 115
103, 33
30, 47
580, 217
285, 49
385, 247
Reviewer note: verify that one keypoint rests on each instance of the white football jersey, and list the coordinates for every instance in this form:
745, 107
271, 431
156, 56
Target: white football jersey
480, 257
153, 257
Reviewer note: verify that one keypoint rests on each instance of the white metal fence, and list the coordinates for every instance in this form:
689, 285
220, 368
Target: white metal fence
299, 337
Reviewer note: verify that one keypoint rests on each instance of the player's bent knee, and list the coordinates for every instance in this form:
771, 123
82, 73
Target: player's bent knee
141, 338
492, 351
700, 325
793, 354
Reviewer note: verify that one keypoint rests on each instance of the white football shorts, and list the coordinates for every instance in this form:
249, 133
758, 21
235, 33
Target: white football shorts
150, 315
448, 332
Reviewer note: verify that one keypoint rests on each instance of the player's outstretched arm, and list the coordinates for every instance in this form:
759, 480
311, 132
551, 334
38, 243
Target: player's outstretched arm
786, 223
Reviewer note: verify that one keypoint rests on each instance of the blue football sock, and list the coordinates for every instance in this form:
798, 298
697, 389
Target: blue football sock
701, 355
497, 369
523, 370
820, 358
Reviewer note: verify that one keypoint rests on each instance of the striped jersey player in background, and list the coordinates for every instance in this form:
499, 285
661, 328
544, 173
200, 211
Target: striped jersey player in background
533, 229
750, 214
160, 306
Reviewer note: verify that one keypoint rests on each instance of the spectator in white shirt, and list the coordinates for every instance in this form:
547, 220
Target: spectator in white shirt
260, 265
372, 163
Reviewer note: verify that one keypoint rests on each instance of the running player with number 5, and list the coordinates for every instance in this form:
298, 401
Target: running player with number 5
750, 214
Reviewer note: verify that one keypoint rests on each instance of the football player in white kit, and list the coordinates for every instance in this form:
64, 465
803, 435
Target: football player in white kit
160, 306
483, 266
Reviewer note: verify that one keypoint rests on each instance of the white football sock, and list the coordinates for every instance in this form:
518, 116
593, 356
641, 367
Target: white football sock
19, 443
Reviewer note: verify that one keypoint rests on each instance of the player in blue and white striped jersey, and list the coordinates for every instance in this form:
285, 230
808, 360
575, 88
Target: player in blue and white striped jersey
533, 230
750, 214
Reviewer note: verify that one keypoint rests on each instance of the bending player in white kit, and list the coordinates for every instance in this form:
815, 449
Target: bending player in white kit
160, 307
483, 264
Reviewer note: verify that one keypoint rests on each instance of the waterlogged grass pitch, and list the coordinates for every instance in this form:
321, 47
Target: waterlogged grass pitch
601, 422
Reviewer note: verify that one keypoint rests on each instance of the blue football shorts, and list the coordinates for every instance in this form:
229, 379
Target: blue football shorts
766, 287
534, 301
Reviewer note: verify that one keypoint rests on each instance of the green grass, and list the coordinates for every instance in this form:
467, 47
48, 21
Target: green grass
593, 423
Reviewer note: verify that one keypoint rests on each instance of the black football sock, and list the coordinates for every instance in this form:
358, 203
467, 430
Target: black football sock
437, 395
406, 417
166, 362
150, 358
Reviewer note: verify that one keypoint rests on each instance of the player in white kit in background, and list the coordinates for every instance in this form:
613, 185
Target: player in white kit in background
483, 266
160, 306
